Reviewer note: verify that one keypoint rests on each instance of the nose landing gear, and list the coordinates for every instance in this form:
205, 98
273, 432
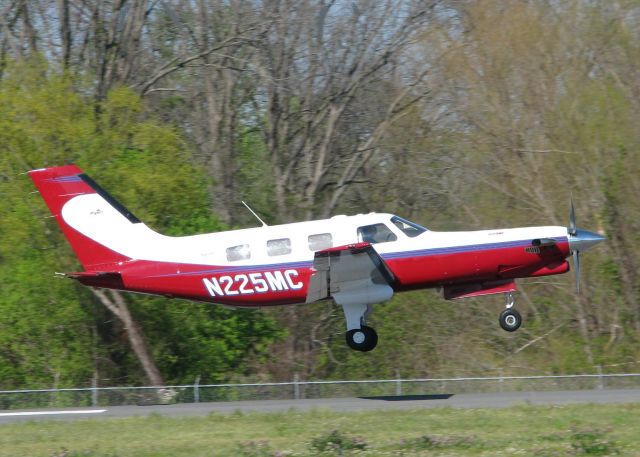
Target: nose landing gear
510, 319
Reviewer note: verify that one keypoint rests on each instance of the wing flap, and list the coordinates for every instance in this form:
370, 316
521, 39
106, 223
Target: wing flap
348, 270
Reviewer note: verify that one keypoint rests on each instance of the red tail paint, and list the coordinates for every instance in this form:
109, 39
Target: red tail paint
58, 185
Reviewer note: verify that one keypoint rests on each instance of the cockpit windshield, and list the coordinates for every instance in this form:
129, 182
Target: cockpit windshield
409, 228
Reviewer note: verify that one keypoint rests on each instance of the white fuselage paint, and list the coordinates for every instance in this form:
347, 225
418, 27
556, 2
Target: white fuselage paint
92, 216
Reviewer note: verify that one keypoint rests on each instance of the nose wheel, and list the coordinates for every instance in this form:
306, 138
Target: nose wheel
510, 319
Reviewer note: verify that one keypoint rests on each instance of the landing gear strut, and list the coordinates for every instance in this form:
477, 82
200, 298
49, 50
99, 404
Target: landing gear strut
359, 336
510, 319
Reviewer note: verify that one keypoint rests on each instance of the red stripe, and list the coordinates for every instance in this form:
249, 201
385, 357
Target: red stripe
169, 279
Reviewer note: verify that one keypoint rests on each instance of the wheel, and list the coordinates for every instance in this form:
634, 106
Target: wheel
363, 339
510, 320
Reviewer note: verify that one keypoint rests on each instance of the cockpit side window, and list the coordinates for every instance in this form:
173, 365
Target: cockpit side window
375, 233
411, 229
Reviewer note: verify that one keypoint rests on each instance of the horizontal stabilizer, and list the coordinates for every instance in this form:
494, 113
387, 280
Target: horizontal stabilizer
106, 279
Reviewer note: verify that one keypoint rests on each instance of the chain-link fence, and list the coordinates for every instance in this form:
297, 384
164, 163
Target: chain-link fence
113, 396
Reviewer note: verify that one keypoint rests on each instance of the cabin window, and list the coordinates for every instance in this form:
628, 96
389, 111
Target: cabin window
375, 233
409, 228
320, 241
240, 252
279, 247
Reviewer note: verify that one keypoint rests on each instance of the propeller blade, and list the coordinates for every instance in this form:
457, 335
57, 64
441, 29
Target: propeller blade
576, 266
572, 221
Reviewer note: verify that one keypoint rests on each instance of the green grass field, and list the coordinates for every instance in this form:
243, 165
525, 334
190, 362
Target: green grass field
523, 430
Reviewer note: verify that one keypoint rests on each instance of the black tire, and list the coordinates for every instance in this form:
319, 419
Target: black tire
510, 320
363, 339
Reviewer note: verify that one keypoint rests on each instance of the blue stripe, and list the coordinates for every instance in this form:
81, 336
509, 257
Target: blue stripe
388, 256
461, 249
60, 179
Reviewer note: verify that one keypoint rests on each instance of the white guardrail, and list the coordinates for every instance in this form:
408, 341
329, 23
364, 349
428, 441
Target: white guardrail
189, 393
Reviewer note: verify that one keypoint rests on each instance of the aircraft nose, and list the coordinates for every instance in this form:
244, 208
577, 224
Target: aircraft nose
584, 240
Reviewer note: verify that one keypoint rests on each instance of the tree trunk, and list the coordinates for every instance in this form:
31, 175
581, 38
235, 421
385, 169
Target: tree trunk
65, 32
115, 303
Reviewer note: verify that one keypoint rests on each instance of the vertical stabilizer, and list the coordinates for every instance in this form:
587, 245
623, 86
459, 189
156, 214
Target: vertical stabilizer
83, 208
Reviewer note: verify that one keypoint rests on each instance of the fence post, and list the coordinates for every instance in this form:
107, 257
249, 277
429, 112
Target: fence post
600, 378
94, 390
296, 386
398, 384
501, 380
196, 390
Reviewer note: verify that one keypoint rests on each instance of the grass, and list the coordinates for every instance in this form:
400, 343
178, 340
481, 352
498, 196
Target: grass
573, 430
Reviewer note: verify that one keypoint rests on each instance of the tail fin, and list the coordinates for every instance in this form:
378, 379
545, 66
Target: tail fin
89, 217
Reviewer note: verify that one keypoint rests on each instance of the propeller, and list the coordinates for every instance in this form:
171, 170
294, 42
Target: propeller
576, 266
572, 230
580, 240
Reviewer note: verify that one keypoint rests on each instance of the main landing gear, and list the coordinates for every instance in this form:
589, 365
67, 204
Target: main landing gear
510, 319
363, 339
359, 336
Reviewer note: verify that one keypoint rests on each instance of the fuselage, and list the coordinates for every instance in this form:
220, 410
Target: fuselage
272, 265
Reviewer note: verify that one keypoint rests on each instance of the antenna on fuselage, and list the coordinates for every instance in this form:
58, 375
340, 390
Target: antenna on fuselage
254, 213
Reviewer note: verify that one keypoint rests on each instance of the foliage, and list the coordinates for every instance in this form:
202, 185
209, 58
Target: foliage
592, 442
336, 442
464, 115
427, 442
53, 332
255, 449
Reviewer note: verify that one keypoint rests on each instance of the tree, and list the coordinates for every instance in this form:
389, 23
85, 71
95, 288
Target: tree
145, 165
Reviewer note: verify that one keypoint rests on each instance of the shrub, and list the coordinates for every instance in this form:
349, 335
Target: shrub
592, 442
337, 442
425, 442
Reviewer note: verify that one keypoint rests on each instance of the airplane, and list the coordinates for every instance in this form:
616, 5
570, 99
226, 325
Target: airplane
357, 261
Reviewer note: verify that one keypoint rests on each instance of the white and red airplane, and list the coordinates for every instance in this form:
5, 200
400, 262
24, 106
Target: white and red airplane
357, 260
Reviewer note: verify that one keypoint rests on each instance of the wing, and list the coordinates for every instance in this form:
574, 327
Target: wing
354, 272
